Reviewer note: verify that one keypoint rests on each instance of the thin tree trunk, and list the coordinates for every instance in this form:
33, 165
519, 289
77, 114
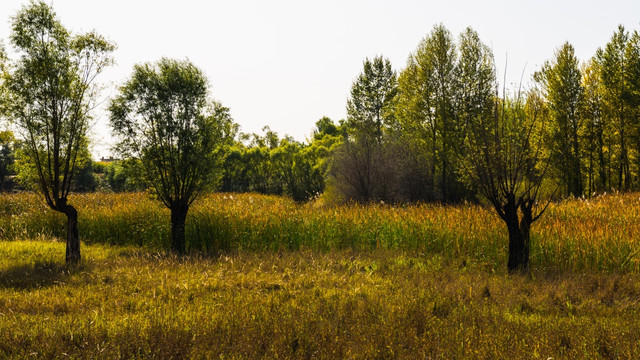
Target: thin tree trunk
577, 173
590, 177
178, 219
602, 168
73, 237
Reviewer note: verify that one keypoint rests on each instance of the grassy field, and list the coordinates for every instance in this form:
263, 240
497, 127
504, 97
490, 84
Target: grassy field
123, 302
268, 278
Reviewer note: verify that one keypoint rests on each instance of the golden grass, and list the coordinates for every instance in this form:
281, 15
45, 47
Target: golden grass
123, 302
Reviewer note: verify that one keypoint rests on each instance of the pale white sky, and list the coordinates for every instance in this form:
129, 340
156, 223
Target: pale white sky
287, 63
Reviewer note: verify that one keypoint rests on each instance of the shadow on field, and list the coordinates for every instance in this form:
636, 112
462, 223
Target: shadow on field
38, 275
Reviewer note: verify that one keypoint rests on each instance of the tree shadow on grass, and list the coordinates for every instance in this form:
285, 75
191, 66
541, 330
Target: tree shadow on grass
38, 275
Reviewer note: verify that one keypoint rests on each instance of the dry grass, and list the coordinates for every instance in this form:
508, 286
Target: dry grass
123, 302
268, 278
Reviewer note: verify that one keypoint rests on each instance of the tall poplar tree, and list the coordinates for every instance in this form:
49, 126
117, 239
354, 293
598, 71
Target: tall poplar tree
369, 108
442, 89
426, 105
475, 77
561, 81
597, 146
614, 69
632, 55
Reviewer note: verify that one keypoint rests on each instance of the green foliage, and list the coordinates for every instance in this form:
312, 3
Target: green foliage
595, 116
269, 165
119, 176
616, 95
561, 81
7, 156
597, 144
164, 119
441, 90
49, 92
325, 126
370, 106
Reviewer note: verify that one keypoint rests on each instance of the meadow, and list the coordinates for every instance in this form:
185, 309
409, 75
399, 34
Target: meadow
269, 278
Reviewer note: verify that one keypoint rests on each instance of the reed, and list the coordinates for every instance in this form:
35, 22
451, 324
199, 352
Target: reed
578, 234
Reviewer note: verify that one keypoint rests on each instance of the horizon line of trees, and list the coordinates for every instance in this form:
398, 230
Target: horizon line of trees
592, 106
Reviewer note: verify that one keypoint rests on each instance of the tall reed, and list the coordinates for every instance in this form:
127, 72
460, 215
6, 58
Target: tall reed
575, 234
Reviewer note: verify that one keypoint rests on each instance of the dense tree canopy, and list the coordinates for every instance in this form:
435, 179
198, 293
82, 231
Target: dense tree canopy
271, 165
370, 106
561, 81
443, 87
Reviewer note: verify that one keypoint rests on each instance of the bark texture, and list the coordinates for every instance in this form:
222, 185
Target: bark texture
178, 219
519, 238
73, 237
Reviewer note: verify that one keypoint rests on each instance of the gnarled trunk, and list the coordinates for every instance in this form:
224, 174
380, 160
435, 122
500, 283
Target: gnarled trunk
518, 249
178, 219
519, 240
73, 237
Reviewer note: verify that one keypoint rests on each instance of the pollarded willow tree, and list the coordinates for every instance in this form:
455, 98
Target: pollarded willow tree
164, 119
505, 160
50, 90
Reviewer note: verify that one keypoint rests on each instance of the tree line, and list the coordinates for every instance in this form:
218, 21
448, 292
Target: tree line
590, 112
440, 130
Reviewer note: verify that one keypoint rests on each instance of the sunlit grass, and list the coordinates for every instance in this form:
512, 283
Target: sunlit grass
123, 302
575, 234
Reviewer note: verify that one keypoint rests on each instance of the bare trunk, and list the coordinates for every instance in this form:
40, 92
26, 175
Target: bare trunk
178, 219
73, 237
519, 244
602, 171
518, 254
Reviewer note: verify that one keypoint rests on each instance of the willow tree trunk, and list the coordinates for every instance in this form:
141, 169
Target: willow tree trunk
73, 237
519, 243
178, 219
518, 257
